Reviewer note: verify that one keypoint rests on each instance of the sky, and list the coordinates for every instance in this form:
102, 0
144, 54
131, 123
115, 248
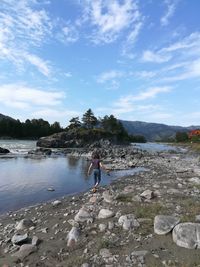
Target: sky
136, 59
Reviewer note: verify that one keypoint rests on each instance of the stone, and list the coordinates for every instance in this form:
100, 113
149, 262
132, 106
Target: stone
73, 236
187, 235
105, 213
19, 239
195, 180
24, 251
4, 150
35, 241
23, 224
50, 189
83, 216
128, 221
56, 203
102, 227
163, 224
147, 194
107, 197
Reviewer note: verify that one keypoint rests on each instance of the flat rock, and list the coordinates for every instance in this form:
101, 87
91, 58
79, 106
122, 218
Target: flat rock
105, 213
163, 224
107, 197
24, 251
187, 235
195, 180
147, 194
56, 203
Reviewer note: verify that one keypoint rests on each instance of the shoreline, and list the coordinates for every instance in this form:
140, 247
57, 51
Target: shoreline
99, 239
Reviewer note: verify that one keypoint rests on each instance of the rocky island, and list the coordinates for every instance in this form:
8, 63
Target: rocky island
147, 219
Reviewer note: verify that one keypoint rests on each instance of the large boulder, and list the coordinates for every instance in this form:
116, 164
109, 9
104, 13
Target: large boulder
163, 224
4, 150
187, 235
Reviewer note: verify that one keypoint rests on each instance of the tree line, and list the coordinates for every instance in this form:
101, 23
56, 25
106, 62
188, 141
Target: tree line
32, 129
37, 128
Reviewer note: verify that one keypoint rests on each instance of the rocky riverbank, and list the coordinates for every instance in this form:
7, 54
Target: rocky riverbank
149, 219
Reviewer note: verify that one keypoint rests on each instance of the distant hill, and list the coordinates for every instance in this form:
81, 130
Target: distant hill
154, 131
5, 117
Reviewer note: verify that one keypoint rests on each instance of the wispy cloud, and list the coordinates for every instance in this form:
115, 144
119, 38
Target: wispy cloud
110, 19
21, 29
171, 7
23, 96
150, 56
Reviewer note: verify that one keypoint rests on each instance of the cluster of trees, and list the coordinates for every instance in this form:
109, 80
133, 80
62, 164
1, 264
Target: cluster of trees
108, 124
34, 128
185, 137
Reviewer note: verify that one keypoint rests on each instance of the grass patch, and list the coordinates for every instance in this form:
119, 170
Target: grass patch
191, 208
149, 210
124, 198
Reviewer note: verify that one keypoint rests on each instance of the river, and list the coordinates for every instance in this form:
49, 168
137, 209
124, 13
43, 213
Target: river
25, 181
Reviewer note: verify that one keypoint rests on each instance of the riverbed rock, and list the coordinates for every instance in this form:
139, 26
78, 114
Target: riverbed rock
83, 216
128, 221
4, 150
147, 194
73, 236
105, 213
163, 224
187, 235
24, 251
18, 239
23, 224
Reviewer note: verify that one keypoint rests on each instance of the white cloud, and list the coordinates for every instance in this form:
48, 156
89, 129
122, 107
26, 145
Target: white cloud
126, 104
109, 75
21, 29
171, 7
22, 96
68, 34
149, 56
110, 18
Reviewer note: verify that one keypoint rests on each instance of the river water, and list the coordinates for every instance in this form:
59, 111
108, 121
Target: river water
25, 181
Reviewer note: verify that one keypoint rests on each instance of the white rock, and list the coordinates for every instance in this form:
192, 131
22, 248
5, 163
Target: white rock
18, 239
102, 227
109, 198
83, 215
105, 213
56, 203
73, 236
128, 221
148, 194
25, 223
195, 180
163, 224
187, 235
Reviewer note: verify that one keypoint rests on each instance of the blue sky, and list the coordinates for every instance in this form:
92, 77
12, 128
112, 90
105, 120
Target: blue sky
137, 60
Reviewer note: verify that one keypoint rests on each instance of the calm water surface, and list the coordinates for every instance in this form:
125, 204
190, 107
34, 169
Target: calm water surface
24, 181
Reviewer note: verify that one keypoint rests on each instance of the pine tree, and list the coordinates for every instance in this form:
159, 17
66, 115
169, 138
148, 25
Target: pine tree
89, 120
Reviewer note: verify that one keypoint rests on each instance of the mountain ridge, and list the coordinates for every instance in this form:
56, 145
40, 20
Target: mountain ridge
155, 131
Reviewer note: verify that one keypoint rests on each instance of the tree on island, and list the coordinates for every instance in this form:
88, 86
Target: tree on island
74, 123
89, 120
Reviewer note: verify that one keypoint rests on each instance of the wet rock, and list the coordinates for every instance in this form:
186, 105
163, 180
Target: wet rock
23, 224
187, 235
50, 189
105, 213
4, 151
163, 224
24, 251
128, 221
